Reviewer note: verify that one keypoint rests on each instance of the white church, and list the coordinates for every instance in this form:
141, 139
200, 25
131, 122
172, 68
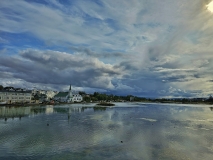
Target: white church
68, 97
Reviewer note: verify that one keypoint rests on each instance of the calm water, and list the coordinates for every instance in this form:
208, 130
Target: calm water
127, 131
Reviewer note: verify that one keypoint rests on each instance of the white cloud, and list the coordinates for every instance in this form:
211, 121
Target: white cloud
140, 45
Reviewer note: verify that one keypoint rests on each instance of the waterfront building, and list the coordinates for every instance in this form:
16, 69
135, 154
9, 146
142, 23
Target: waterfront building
77, 98
61, 97
15, 96
49, 94
68, 96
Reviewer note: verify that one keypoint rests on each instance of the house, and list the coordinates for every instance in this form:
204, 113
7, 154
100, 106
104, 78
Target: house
15, 96
77, 98
131, 98
68, 97
43, 95
61, 96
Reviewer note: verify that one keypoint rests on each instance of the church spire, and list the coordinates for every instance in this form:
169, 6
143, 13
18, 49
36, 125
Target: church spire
69, 96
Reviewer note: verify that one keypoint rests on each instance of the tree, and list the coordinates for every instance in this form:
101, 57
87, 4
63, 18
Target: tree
81, 92
87, 99
210, 99
1, 87
8, 88
95, 94
94, 99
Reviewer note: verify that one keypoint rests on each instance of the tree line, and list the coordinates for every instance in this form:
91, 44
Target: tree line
96, 96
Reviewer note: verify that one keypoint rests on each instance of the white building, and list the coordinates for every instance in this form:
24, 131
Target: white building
13, 96
68, 97
49, 94
77, 98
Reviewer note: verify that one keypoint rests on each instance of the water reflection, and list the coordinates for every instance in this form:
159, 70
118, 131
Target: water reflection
49, 110
95, 108
14, 112
151, 132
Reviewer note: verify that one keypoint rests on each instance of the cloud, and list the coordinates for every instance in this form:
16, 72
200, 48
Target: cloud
3, 40
60, 68
142, 47
91, 53
74, 24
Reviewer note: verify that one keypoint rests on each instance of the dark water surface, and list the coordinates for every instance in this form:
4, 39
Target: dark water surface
127, 131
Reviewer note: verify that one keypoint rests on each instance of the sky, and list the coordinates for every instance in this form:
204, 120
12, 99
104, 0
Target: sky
146, 48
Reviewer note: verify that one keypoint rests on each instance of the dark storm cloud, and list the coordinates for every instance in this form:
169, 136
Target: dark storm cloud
55, 59
5, 74
59, 68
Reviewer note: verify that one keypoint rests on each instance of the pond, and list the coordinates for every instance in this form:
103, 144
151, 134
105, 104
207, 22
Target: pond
127, 131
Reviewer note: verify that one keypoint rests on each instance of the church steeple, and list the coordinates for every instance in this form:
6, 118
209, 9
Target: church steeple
69, 96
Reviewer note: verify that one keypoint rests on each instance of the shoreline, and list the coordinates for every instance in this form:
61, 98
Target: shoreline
30, 104
98, 103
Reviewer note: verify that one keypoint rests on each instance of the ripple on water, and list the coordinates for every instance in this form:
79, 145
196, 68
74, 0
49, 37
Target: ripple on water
124, 132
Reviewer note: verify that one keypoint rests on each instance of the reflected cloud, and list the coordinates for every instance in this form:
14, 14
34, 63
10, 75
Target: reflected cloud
147, 119
117, 133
